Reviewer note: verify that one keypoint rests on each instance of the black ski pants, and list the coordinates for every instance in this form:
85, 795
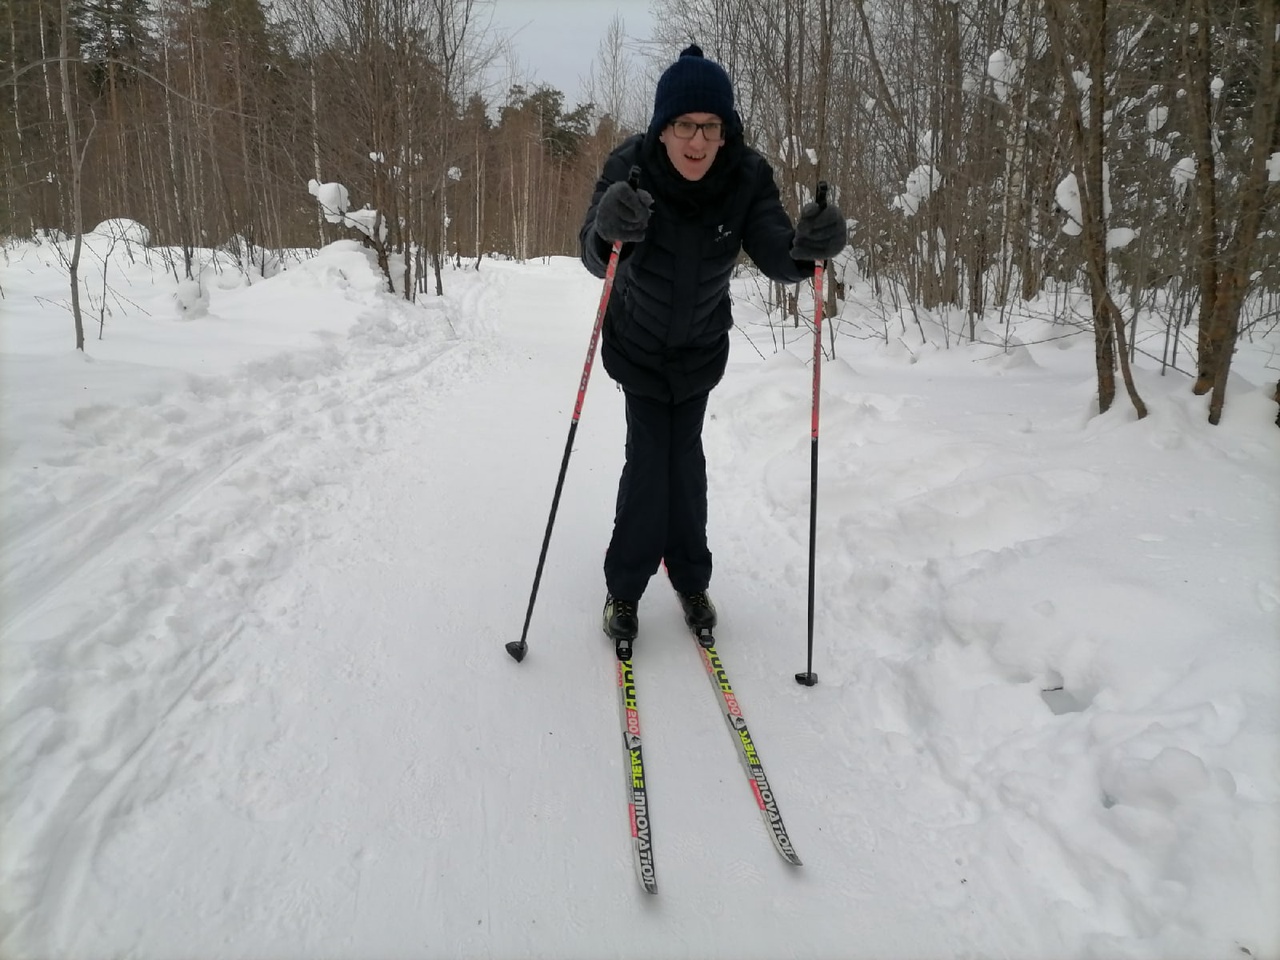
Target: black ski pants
661, 512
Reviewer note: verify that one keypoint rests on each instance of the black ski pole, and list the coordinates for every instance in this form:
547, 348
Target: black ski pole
808, 678
518, 648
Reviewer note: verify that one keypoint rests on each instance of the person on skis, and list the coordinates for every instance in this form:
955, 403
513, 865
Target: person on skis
703, 196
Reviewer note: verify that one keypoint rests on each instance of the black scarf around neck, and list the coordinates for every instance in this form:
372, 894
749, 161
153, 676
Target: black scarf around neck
691, 198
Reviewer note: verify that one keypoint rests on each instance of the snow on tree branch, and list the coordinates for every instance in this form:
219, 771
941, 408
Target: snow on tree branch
335, 203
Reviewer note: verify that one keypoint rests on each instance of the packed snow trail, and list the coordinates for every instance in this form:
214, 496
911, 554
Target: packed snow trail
265, 707
349, 764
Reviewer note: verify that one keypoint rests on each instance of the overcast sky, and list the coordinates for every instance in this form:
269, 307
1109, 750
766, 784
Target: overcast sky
556, 41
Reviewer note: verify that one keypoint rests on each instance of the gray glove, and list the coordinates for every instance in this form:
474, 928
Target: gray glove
623, 213
820, 233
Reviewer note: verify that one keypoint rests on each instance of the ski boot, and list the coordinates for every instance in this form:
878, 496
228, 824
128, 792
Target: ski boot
700, 615
621, 625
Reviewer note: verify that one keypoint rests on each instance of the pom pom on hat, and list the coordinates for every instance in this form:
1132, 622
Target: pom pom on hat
693, 84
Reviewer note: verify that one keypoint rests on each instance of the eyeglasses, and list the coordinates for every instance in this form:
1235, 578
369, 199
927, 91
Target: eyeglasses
712, 132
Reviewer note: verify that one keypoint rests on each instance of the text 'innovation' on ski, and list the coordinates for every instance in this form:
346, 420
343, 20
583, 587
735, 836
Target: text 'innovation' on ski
637, 794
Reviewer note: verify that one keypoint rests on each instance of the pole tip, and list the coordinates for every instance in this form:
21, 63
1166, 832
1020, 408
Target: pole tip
806, 678
517, 649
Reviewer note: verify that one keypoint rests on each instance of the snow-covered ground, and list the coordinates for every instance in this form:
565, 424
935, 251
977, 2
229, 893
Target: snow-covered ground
263, 545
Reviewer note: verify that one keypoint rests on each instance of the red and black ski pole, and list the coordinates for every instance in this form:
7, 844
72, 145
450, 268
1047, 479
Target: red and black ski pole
518, 648
808, 677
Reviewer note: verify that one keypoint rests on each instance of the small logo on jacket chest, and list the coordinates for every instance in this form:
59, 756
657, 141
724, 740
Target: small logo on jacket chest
723, 233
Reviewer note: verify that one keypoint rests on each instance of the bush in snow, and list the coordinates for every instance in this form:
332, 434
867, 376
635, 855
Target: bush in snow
251, 257
335, 202
130, 231
191, 300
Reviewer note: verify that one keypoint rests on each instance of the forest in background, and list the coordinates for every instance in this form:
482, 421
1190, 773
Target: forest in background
984, 152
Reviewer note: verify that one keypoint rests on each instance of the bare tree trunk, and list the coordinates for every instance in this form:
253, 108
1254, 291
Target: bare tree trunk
75, 156
44, 58
479, 194
950, 136
1014, 229
315, 138
24, 160
1256, 195
1197, 59
1108, 325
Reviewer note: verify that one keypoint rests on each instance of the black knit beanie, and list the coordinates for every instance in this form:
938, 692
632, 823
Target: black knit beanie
693, 84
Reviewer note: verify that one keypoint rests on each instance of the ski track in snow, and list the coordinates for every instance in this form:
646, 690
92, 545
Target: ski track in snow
265, 708
169, 565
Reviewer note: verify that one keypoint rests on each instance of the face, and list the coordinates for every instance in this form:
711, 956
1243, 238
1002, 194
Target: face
691, 158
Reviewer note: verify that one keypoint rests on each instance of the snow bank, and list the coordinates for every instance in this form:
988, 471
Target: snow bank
121, 229
248, 558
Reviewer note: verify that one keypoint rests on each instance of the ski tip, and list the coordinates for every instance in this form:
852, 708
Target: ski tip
517, 649
806, 678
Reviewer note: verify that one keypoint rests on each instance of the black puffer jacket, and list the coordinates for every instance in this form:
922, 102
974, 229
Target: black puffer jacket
666, 332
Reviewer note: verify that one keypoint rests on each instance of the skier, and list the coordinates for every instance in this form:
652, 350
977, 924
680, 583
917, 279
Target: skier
703, 196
